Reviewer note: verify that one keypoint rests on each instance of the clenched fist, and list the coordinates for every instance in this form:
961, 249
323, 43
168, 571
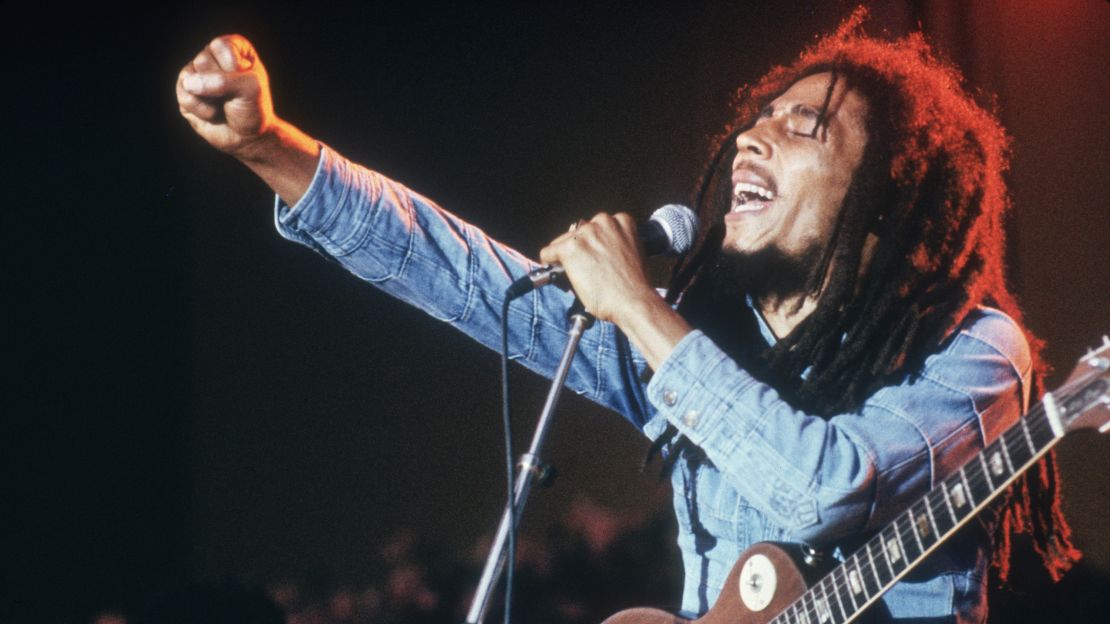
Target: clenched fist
224, 94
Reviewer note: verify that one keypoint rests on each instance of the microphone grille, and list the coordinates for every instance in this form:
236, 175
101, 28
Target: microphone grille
681, 225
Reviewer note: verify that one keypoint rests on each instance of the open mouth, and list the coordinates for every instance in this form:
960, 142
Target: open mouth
749, 197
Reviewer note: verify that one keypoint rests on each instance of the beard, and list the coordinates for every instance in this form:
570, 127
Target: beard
766, 273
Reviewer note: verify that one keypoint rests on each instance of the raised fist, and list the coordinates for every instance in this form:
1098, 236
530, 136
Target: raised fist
225, 95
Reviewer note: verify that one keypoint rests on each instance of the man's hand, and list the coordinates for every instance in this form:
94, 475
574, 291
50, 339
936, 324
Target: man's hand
603, 260
224, 94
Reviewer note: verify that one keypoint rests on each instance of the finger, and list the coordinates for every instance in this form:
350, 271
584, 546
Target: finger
188, 103
629, 227
233, 53
614, 227
626, 222
205, 62
219, 84
562, 239
199, 125
606, 221
549, 254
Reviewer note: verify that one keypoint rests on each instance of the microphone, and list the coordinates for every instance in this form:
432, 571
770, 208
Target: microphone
670, 231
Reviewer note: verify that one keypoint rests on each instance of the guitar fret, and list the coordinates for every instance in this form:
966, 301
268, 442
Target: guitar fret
1005, 452
836, 594
793, 614
970, 494
876, 569
868, 573
922, 529
986, 471
938, 505
803, 614
882, 545
997, 462
800, 616
978, 483
1020, 453
903, 525
895, 549
957, 496
929, 512
948, 503
1028, 438
855, 580
851, 596
824, 611
842, 590
1039, 429
913, 528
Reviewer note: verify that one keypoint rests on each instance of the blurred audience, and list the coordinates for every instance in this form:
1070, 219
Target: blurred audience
594, 563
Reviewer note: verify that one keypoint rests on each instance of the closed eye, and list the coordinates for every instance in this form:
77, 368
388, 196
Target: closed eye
806, 111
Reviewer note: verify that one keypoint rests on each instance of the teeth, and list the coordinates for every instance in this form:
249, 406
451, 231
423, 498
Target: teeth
751, 189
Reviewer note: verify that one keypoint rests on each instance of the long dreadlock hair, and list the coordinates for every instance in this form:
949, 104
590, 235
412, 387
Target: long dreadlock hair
930, 187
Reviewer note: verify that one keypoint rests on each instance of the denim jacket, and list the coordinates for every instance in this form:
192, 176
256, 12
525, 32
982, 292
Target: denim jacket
773, 473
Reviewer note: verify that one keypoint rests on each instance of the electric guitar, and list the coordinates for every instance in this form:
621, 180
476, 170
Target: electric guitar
770, 584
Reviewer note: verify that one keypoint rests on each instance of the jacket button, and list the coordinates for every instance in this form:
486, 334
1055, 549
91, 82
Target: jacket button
670, 397
690, 418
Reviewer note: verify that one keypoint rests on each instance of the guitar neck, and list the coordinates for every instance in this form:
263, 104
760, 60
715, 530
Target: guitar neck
864, 576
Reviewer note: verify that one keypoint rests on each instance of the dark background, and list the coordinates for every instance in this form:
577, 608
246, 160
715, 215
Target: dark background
189, 396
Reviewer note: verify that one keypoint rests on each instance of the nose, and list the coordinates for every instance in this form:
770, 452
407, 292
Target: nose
751, 144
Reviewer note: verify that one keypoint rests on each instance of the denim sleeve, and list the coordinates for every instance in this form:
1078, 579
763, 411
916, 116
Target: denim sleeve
409, 247
823, 479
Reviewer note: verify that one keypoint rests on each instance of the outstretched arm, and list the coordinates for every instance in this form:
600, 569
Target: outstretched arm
393, 238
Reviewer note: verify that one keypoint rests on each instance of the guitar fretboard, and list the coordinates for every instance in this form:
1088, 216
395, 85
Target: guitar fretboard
866, 574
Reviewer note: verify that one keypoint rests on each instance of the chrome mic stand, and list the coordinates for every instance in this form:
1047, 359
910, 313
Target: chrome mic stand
530, 467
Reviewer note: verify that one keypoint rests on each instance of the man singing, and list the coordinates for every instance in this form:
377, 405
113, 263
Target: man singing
841, 339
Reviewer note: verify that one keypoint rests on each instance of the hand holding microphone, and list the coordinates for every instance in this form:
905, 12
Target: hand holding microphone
602, 258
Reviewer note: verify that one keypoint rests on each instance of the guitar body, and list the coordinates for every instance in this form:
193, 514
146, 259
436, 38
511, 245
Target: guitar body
765, 580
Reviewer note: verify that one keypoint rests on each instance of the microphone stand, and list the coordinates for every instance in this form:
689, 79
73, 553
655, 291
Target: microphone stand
530, 467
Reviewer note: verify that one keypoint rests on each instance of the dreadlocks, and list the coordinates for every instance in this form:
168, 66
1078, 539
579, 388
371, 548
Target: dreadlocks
930, 188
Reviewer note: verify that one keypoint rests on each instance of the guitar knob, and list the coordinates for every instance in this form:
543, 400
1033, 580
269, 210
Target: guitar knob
758, 580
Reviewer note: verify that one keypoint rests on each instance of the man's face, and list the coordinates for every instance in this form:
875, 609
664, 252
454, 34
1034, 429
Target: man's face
789, 183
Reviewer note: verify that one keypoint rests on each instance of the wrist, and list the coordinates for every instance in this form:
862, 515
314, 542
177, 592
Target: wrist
653, 326
641, 308
267, 146
284, 157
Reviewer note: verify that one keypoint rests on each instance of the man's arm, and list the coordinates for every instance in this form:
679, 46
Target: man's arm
391, 237
224, 94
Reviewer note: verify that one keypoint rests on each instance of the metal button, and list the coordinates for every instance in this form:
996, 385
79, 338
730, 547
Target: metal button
670, 397
690, 418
